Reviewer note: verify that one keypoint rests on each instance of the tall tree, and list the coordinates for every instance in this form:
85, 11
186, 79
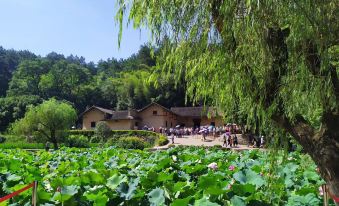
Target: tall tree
26, 78
47, 120
15, 107
278, 57
9, 60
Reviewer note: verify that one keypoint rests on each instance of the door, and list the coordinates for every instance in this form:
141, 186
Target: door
196, 123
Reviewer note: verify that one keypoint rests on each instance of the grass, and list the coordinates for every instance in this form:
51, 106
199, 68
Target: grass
21, 145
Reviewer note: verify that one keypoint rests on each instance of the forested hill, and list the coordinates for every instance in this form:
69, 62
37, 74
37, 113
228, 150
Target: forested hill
27, 79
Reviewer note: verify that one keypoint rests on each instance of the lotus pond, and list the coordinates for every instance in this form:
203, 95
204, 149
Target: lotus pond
178, 177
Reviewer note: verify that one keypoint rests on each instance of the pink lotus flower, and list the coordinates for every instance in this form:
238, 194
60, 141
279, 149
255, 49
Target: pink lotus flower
231, 168
213, 166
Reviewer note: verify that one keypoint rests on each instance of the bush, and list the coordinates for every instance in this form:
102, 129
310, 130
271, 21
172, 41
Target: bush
171, 145
79, 141
151, 140
131, 143
95, 139
111, 141
87, 133
2, 139
102, 131
162, 140
150, 137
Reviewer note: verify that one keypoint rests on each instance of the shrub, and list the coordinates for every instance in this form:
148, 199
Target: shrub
131, 143
150, 137
95, 139
87, 133
162, 140
151, 140
102, 131
111, 141
2, 139
171, 145
79, 141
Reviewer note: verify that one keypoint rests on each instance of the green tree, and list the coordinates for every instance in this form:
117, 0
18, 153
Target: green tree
102, 131
26, 78
47, 120
279, 58
13, 108
9, 60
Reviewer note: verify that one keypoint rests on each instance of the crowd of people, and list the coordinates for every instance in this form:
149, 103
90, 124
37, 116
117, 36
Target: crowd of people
227, 134
203, 130
230, 140
255, 141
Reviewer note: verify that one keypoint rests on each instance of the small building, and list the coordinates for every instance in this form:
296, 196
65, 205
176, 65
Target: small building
152, 115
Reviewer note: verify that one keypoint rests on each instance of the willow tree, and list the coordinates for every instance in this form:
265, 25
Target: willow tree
278, 58
47, 120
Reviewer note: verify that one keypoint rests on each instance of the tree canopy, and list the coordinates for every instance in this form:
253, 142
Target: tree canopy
47, 120
112, 83
275, 61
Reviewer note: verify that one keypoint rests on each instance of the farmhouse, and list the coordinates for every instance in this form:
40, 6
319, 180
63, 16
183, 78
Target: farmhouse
152, 115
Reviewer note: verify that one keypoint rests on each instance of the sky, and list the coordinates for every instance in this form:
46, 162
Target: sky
80, 27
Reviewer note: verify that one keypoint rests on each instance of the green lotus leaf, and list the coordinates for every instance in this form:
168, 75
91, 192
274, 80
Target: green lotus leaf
205, 202
156, 197
114, 181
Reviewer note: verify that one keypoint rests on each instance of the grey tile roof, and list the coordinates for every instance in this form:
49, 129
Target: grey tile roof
121, 115
193, 111
108, 111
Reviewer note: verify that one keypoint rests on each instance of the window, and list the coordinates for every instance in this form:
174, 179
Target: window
92, 124
136, 124
171, 124
155, 112
166, 123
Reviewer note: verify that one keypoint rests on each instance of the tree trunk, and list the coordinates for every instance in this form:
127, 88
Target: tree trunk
322, 146
54, 140
326, 154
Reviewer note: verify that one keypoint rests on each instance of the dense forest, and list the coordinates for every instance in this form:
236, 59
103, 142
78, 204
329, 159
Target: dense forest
28, 79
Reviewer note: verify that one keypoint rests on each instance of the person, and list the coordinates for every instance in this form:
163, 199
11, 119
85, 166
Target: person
47, 146
235, 141
257, 141
228, 137
204, 134
262, 141
172, 137
250, 140
225, 140
171, 130
232, 141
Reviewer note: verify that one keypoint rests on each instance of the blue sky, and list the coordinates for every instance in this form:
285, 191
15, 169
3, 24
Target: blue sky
80, 27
